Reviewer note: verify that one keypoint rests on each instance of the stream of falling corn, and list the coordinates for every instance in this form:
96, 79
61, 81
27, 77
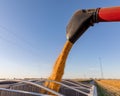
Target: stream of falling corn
58, 69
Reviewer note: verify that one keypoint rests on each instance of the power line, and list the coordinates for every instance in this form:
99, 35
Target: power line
6, 40
19, 37
16, 35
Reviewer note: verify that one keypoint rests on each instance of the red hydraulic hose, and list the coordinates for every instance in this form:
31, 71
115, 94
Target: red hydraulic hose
109, 14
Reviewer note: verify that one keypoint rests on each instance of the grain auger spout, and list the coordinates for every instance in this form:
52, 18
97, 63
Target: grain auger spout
83, 19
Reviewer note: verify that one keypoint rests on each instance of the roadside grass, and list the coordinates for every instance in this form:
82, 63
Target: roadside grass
108, 87
101, 91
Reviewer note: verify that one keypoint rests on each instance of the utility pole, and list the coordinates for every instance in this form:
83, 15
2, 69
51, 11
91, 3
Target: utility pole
101, 68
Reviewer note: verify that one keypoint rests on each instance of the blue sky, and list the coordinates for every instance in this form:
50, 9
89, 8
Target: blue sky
33, 32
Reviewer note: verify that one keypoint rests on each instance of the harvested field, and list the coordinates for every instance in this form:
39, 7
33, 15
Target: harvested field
110, 87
